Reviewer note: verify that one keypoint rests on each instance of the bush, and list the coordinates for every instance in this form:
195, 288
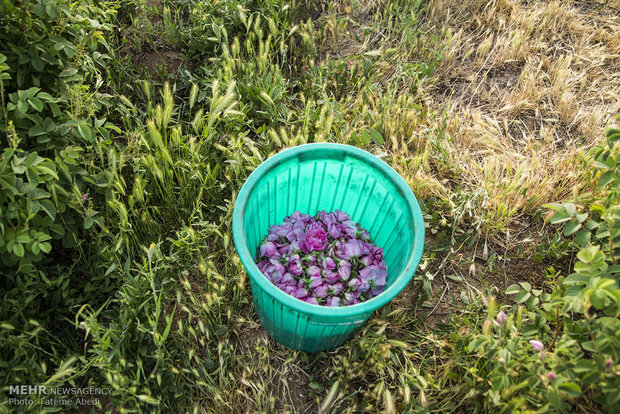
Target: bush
53, 129
81, 197
51, 122
550, 351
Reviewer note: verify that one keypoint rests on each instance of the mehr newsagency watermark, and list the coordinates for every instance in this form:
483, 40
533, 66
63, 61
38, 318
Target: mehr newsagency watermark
22, 395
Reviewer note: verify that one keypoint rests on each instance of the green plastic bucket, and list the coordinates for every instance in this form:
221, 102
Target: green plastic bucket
311, 178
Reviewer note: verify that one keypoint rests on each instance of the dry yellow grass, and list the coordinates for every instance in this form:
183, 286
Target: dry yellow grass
527, 87
522, 91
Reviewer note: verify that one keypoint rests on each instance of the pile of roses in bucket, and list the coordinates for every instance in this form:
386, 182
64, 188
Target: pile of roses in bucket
326, 260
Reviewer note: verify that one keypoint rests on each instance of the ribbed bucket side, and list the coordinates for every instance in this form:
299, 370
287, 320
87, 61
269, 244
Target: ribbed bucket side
326, 179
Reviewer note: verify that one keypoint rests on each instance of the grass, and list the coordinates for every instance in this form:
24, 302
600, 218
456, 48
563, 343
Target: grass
486, 108
532, 86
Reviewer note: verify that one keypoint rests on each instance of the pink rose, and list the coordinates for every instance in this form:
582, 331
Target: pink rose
320, 291
294, 267
331, 277
300, 293
329, 264
333, 301
335, 289
314, 271
501, 317
344, 271
352, 248
342, 216
315, 238
268, 249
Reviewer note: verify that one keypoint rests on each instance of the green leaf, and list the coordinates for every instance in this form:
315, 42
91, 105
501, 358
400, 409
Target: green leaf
38, 194
46, 170
168, 325
8, 183
22, 107
43, 236
571, 209
573, 291
35, 207
592, 224
112, 127
18, 249
588, 254
23, 238
476, 343
604, 163
376, 136
58, 229
532, 302
316, 386
68, 72
522, 296
612, 397
36, 104
597, 299
30, 159
554, 399
365, 137
45, 247
559, 217
584, 365
38, 9
583, 237
554, 206
605, 179
85, 132
512, 289
571, 227
33, 177
605, 283
49, 207
37, 64
576, 279
571, 389
69, 51
18, 168
51, 11
581, 217
46, 97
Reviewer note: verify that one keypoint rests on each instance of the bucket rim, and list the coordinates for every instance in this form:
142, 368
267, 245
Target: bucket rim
370, 305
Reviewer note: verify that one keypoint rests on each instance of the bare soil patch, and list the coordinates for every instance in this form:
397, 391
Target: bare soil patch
249, 329
294, 390
148, 46
166, 60
407, 298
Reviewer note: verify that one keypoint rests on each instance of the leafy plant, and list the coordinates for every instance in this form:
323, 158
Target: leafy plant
574, 331
526, 294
